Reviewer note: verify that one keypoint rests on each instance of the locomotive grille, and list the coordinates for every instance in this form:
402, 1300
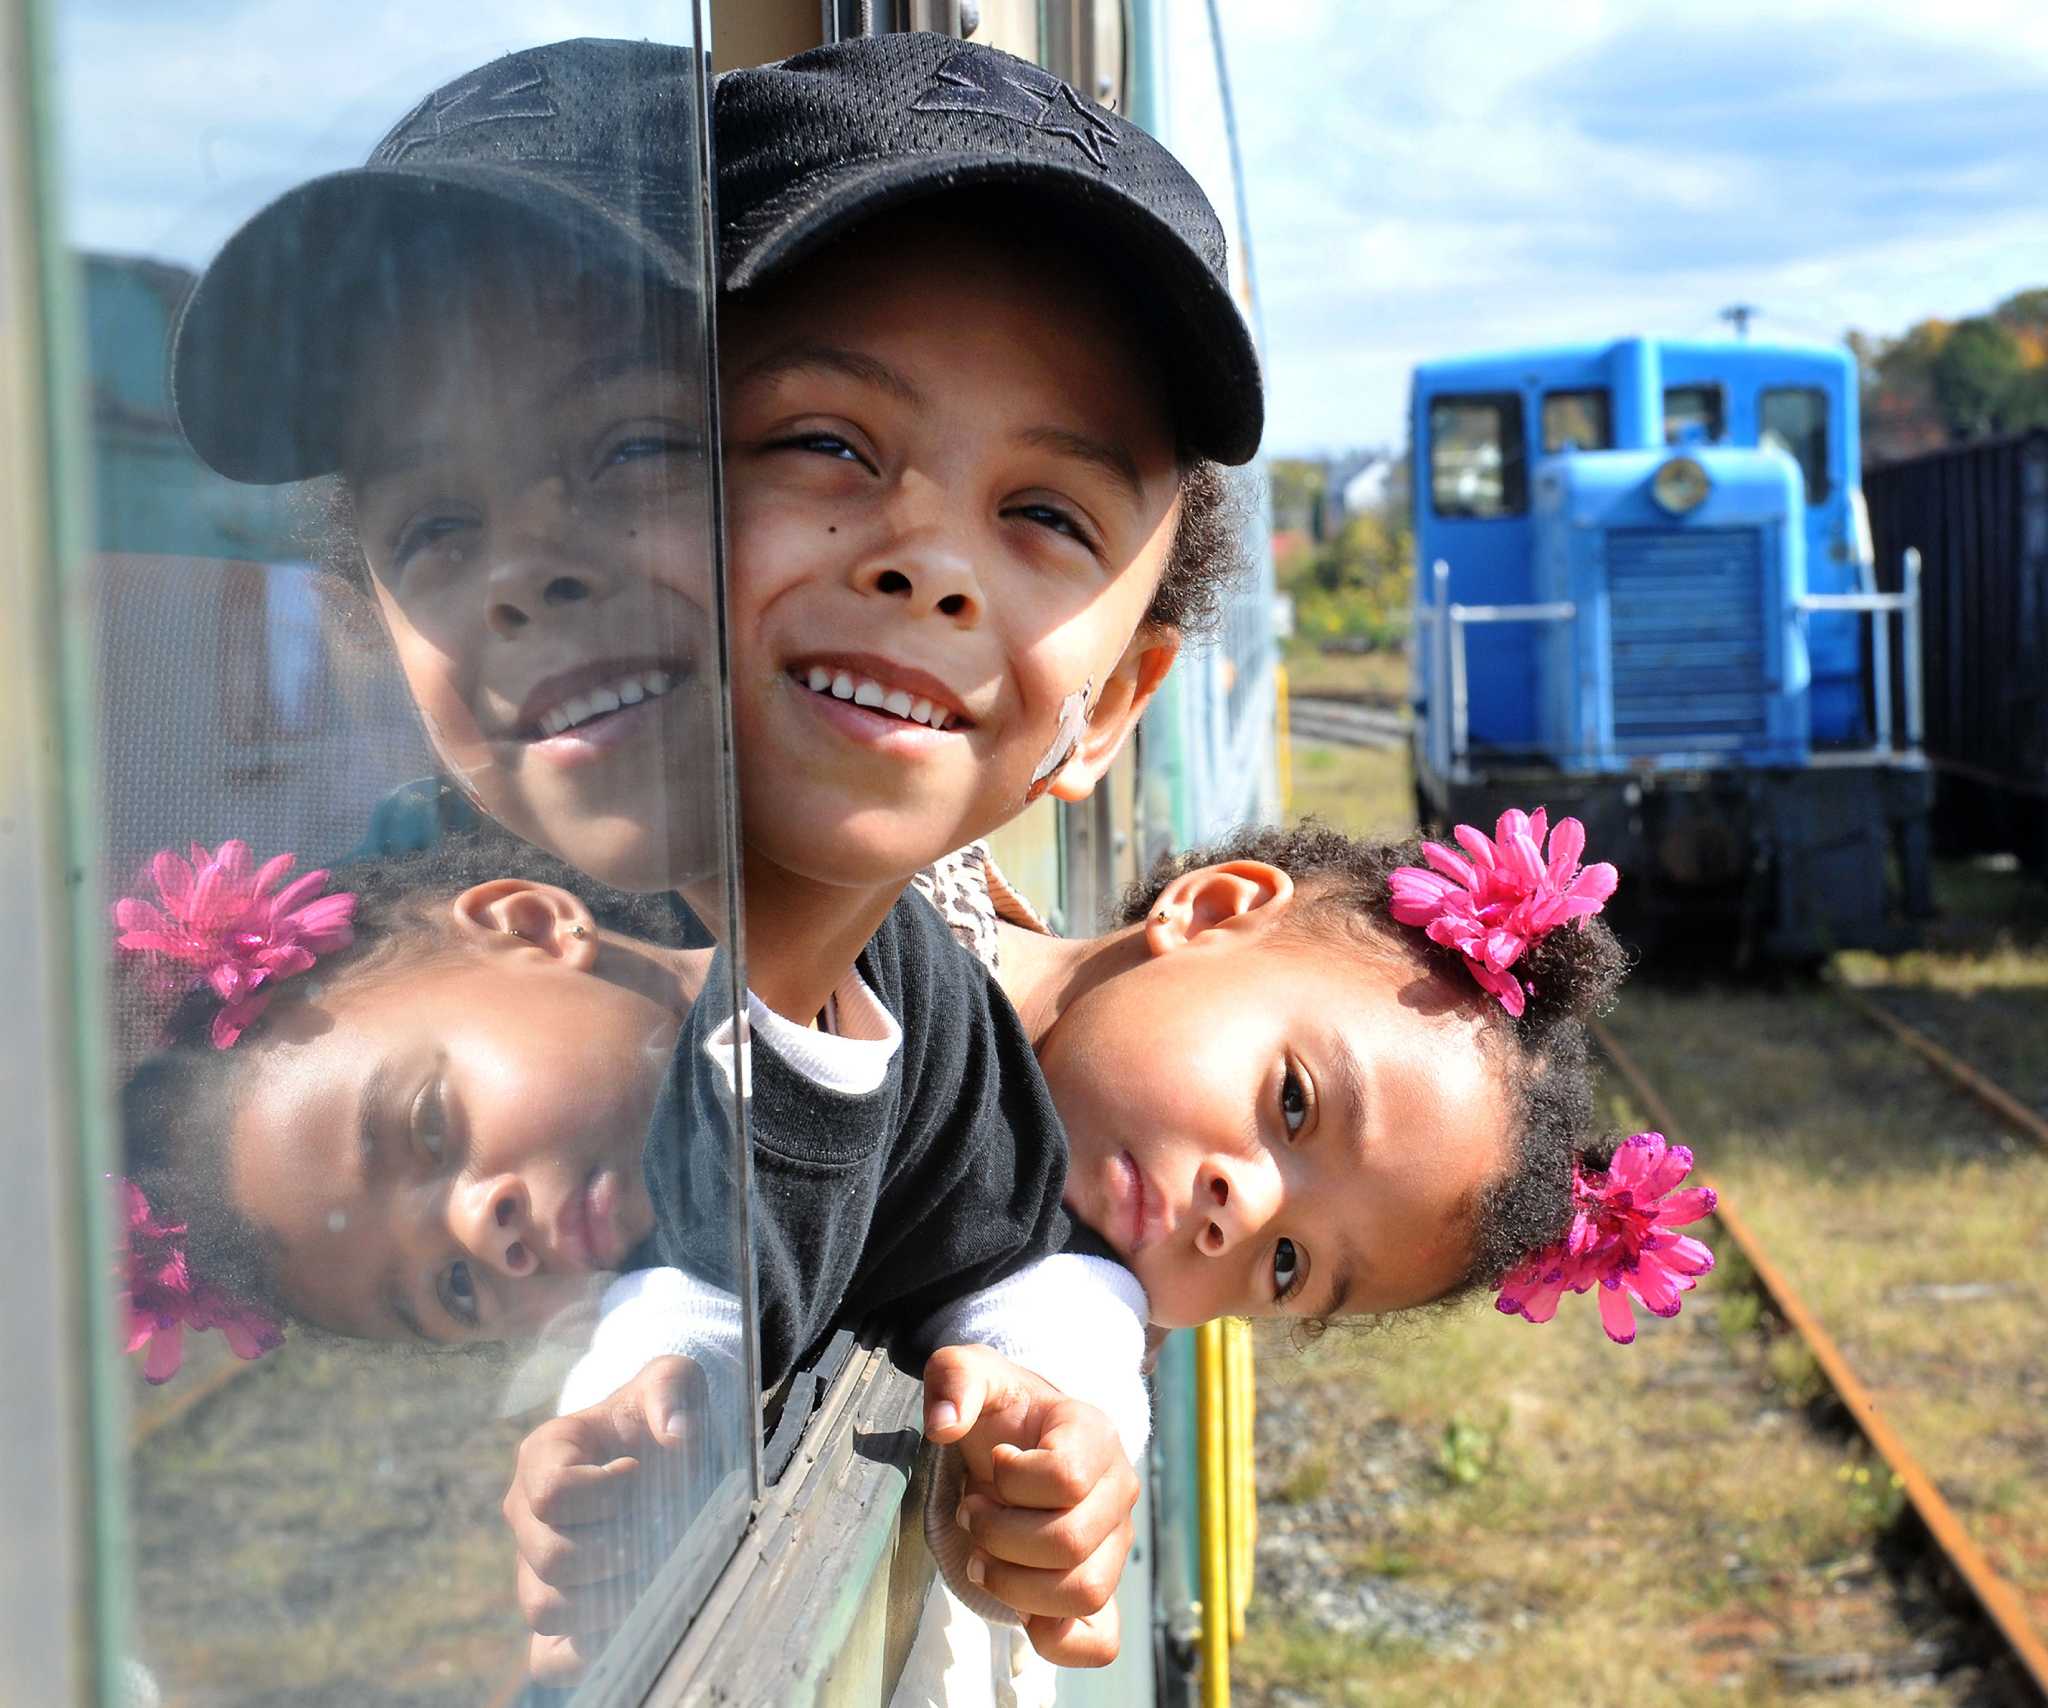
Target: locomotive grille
1687, 614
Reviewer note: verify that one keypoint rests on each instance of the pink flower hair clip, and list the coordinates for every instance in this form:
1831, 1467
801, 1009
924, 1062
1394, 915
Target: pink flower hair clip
1621, 1240
217, 916
1506, 898
160, 1299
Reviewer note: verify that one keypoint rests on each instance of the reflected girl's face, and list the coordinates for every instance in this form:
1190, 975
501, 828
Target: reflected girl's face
528, 474
1268, 1122
453, 1153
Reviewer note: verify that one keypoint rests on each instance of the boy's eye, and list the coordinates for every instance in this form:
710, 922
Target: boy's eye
1293, 1100
456, 1290
422, 534
1286, 1269
824, 445
1056, 520
643, 446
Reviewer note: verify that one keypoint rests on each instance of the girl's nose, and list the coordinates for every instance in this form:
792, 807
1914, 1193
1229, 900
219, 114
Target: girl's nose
1234, 1199
495, 1224
537, 567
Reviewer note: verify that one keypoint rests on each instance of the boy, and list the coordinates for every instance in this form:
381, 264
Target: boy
970, 461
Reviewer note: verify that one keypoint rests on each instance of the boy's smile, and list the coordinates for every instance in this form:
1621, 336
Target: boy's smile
951, 487
529, 490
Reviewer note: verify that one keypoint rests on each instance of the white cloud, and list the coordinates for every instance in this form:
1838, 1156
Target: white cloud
1425, 179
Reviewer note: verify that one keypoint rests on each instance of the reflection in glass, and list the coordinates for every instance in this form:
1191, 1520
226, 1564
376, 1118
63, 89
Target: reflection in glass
1477, 466
1692, 412
1580, 420
432, 613
1794, 419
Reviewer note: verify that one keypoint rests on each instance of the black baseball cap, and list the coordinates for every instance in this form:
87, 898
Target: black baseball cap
592, 145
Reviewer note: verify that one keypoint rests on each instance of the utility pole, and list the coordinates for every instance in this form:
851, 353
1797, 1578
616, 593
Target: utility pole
1739, 315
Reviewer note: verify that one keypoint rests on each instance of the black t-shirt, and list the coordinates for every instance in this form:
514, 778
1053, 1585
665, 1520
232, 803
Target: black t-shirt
887, 1205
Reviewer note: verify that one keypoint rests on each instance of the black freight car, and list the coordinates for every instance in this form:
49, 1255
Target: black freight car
1978, 515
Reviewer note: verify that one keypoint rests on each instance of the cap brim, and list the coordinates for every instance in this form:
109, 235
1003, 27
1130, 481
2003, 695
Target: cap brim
266, 352
1212, 365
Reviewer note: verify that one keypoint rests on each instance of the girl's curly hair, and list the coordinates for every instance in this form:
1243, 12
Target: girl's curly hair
1343, 882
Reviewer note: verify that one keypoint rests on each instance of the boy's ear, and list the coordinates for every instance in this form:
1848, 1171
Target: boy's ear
515, 914
1116, 711
1232, 896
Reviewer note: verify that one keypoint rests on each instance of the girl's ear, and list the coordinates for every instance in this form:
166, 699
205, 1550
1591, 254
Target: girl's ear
1236, 896
1116, 711
514, 914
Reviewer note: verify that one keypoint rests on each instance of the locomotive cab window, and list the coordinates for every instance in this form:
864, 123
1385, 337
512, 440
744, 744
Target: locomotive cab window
1478, 466
1693, 412
1578, 420
1794, 419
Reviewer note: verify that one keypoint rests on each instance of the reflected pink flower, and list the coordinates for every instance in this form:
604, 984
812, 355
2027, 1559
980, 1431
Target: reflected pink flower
1621, 1240
160, 1300
1503, 894
216, 914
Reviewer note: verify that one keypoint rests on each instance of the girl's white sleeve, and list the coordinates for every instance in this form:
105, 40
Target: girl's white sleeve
1079, 1322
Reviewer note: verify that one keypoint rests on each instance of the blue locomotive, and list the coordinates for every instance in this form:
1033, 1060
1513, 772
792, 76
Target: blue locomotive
1645, 596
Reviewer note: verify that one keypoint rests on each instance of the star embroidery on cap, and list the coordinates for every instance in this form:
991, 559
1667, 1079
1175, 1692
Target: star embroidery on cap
1037, 99
509, 88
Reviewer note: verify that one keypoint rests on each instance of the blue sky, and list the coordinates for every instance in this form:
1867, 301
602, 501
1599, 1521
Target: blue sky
1429, 177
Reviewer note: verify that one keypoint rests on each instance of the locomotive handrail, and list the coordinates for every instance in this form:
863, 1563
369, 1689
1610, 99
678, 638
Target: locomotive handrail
1906, 604
1448, 739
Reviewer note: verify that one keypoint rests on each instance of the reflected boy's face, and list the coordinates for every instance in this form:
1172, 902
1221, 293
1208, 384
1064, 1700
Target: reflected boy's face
528, 476
1269, 1123
951, 492
453, 1153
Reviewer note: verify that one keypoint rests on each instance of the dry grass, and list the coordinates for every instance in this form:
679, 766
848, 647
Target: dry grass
1380, 676
1365, 790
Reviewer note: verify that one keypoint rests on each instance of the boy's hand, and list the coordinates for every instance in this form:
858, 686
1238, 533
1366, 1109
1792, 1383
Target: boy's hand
1049, 1497
596, 1498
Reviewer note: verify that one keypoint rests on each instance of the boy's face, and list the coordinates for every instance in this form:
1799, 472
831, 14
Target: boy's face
951, 489
1266, 1124
528, 475
453, 1153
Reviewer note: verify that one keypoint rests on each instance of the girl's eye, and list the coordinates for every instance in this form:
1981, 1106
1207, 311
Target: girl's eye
1286, 1269
1293, 1101
422, 534
430, 1119
456, 1290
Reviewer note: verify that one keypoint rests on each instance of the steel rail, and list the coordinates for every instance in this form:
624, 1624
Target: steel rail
1993, 1096
1998, 1599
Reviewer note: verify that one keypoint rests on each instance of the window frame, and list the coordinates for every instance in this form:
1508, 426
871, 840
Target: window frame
1514, 455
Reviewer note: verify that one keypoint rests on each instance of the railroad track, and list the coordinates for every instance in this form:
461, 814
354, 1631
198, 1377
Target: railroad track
1348, 723
1995, 1598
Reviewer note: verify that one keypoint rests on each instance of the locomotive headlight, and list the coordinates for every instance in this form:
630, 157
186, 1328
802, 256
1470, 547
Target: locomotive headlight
1680, 486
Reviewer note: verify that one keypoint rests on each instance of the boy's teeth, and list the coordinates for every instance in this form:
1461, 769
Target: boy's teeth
820, 680
897, 701
867, 693
842, 686
627, 691
921, 711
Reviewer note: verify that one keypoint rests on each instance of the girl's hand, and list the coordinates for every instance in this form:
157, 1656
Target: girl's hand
1049, 1498
597, 1499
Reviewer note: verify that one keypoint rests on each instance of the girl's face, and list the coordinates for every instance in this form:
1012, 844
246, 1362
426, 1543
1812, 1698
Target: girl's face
951, 492
450, 1154
1263, 1124
529, 477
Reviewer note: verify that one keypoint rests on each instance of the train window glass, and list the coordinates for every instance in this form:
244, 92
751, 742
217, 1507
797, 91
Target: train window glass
1579, 420
1794, 419
396, 617
1477, 465
1693, 412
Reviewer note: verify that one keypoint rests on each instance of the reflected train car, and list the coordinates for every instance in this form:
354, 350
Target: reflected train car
1646, 596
